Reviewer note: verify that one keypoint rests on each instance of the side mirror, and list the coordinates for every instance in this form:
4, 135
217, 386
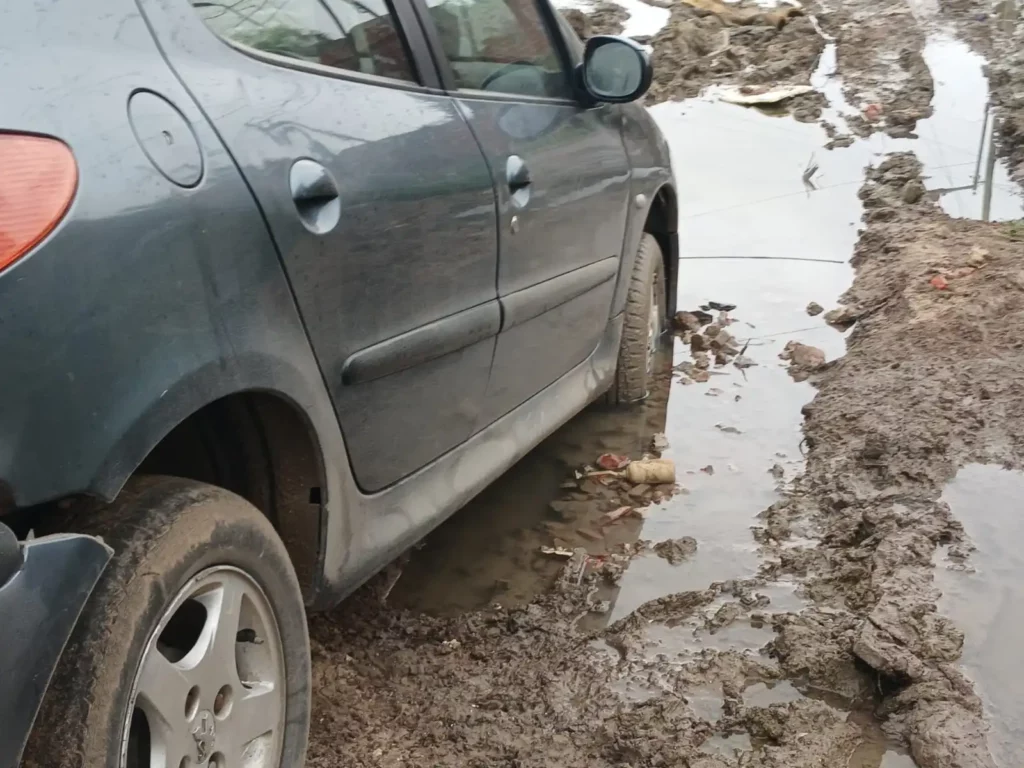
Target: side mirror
614, 69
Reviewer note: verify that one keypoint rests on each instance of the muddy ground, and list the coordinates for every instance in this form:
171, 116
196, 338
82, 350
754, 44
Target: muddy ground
546, 626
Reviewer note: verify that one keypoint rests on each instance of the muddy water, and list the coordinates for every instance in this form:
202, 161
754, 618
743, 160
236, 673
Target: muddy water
985, 595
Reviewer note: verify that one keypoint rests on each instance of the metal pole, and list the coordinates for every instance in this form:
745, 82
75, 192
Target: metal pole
981, 146
990, 168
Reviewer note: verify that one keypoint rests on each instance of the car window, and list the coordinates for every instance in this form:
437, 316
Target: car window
500, 46
355, 35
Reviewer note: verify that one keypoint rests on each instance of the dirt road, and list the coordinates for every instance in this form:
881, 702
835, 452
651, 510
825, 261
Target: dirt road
834, 581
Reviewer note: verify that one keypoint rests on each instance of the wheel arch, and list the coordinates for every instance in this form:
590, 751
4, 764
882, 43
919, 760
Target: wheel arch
663, 222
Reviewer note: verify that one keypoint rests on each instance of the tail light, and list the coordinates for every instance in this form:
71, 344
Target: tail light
38, 177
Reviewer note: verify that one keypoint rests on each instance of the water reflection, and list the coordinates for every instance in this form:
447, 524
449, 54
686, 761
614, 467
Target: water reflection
987, 595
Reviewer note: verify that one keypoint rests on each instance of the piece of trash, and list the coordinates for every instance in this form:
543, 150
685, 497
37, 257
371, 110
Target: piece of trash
651, 471
572, 572
556, 551
752, 96
601, 606
728, 430
737, 398
742, 361
615, 514
814, 309
977, 257
808, 174
612, 461
872, 112
708, 470
659, 442
939, 283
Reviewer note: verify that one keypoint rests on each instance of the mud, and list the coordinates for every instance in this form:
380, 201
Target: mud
735, 44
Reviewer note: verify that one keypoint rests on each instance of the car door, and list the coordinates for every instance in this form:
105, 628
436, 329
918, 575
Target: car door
379, 200
563, 183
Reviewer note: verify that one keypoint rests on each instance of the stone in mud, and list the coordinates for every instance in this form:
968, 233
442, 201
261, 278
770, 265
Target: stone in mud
659, 442
701, 360
913, 191
712, 331
724, 616
701, 376
687, 321
814, 309
842, 317
698, 343
676, 550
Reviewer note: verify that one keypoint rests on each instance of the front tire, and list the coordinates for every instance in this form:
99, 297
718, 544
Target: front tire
193, 650
643, 325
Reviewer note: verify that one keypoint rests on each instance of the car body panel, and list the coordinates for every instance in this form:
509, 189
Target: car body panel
415, 245
39, 605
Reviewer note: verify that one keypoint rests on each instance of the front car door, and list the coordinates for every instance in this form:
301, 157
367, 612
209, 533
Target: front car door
379, 200
562, 179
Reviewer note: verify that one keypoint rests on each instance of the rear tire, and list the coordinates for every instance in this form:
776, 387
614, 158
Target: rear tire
193, 565
643, 325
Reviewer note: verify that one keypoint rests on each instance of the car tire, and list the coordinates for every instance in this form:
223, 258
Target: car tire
113, 701
642, 327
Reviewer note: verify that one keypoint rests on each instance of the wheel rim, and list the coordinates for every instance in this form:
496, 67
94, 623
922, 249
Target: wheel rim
653, 327
210, 689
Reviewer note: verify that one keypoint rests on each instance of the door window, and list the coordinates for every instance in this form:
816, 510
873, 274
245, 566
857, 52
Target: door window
501, 46
356, 35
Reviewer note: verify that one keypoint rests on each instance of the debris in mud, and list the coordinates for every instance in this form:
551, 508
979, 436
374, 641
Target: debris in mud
610, 517
651, 472
939, 283
659, 443
756, 95
556, 551
612, 461
842, 317
676, 551
602, 18
814, 309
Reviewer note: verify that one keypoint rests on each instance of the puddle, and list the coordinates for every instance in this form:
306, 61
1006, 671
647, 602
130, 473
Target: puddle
727, 746
988, 597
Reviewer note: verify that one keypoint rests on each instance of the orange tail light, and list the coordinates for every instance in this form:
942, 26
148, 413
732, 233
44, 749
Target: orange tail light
38, 177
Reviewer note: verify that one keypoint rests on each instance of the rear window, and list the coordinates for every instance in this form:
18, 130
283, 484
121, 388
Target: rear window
353, 35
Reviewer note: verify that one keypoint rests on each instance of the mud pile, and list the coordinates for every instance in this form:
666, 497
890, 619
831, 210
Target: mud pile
706, 42
602, 18
933, 378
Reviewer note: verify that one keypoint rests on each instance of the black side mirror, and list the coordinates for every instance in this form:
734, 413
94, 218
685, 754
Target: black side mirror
614, 70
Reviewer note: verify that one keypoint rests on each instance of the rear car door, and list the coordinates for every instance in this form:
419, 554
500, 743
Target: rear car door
562, 178
379, 200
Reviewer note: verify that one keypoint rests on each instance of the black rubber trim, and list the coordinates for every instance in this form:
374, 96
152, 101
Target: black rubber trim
423, 344
531, 302
10, 554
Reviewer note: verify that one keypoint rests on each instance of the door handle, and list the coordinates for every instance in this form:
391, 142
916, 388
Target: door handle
517, 173
316, 196
517, 176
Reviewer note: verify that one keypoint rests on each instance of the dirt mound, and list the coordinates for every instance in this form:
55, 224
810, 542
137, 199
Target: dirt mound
740, 45
933, 378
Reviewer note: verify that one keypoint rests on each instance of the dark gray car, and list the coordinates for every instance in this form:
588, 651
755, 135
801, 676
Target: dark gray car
283, 284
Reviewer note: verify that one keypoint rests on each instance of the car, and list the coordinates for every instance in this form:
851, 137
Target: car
284, 284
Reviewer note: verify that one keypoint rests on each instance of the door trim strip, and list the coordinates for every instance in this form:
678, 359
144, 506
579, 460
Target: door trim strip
531, 302
423, 344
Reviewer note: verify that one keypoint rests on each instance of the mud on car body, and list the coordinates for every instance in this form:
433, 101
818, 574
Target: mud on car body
281, 288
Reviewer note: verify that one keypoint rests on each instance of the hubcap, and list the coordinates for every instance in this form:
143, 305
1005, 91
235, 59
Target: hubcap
653, 327
210, 690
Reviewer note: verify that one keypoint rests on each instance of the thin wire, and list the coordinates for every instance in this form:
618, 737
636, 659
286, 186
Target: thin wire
767, 258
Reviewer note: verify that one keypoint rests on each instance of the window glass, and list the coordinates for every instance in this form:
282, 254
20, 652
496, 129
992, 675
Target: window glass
357, 35
500, 46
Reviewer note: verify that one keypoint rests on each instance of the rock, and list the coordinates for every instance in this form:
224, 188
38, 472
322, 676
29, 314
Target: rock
913, 191
778, 472
803, 355
700, 376
701, 360
686, 321
842, 317
977, 257
718, 306
712, 330
698, 343
720, 358
814, 309
676, 550
659, 442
